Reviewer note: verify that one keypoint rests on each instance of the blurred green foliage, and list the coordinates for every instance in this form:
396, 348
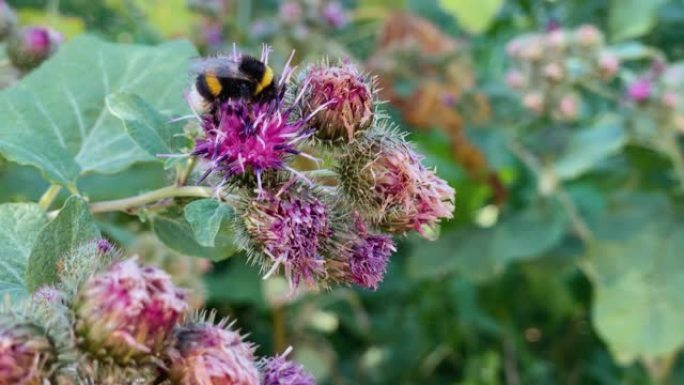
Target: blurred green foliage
572, 274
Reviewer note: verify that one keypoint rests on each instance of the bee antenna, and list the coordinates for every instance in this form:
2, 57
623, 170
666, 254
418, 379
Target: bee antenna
235, 51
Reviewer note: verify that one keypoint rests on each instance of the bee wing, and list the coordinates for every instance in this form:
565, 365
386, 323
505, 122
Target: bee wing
224, 67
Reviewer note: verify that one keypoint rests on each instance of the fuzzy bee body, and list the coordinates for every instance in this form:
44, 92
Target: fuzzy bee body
222, 78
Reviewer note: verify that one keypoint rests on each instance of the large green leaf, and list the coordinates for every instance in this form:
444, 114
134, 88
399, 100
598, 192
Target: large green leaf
56, 118
473, 16
73, 226
529, 233
632, 18
637, 269
206, 217
177, 234
147, 127
588, 147
20, 224
465, 251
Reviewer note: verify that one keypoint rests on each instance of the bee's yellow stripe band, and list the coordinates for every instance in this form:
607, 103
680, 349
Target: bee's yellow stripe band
265, 80
213, 84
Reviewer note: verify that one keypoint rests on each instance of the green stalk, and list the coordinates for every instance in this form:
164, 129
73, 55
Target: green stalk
49, 196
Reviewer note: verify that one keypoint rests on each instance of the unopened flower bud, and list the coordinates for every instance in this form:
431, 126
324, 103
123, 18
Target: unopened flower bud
385, 180
639, 91
343, 97
534, 101
8, 20
554, 72
208, 354
557, 40
279, 370
588, 36
568, 107
516, 80
290, 12
128, 311
609, 65
32, 45
26, 353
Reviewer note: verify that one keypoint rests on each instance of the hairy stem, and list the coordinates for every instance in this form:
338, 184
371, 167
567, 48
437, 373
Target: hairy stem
151, 197
49, 196
187, 171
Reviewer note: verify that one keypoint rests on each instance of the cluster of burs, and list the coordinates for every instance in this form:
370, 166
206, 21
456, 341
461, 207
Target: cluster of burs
318, 178
548, 67
110, 320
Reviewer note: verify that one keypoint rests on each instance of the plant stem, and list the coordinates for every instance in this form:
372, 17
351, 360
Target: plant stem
183, 178
320, 173
49, 196
150, 197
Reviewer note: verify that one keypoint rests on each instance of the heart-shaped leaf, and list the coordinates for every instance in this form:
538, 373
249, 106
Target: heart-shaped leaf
56, 118
206, 217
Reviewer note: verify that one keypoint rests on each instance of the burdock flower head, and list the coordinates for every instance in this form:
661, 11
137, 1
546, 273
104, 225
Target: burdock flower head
279, 370
128, 311
209, 354
368, 255
288, 225
26, 353
346, 97
32, 45
386, 182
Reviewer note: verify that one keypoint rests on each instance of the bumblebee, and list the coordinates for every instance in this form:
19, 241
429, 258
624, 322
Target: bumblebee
227, 77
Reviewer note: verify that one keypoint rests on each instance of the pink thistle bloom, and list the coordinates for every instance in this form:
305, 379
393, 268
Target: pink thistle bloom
290, 227
290, 12
369, 256
639, 91
554, 72
344, 98
568, 107
32, 46
534, 101
279, 370
128, 311
25, 353
386, 178
244, 137
207, 354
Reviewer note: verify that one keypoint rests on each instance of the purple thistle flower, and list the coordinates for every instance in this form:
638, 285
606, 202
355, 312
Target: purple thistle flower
369, 257
208, 354
334, 15
640, 90
290, 227
33, 45
279, 370
25, 353
128, 311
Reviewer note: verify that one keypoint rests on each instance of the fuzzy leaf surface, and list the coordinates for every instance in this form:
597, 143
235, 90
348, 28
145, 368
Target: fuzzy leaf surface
20, 224
56, 118
73, 226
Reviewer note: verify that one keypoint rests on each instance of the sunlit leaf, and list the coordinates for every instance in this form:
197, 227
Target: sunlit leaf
177, 234
473, 16
632, 18
56, 118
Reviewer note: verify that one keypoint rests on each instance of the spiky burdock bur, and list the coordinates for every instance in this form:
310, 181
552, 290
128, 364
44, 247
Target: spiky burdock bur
26, 352
343, 96
127, 312
31, 46
279, 370
382, 177
206, 353
287, 225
